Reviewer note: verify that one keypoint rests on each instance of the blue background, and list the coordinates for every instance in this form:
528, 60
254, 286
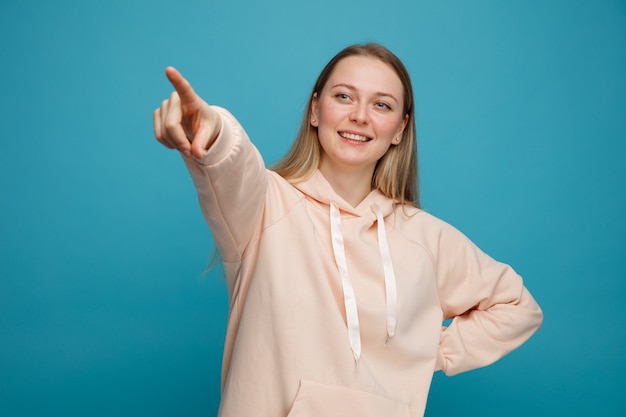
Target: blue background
104, 309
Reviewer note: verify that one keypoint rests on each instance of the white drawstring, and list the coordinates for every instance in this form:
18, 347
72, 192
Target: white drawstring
349, 299
390, 276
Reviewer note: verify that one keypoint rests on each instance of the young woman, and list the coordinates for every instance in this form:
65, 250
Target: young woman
338, 282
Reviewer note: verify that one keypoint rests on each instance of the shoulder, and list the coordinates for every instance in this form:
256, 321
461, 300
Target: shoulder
417, 219
421, 227
282, 197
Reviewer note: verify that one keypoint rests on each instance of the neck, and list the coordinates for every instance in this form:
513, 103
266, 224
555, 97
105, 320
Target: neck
353, 185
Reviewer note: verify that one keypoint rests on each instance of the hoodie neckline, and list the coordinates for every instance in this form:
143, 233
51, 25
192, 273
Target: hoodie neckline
318, 188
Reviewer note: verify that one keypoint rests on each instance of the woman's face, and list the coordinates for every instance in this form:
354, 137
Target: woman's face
358, 114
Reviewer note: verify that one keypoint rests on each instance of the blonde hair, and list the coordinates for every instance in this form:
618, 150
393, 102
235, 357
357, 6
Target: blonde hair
395, 174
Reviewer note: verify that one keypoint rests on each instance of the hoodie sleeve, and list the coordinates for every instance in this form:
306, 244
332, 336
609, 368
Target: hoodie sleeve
231, 182
492, 312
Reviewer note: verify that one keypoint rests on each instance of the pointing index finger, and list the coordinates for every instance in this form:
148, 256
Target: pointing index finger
181, 85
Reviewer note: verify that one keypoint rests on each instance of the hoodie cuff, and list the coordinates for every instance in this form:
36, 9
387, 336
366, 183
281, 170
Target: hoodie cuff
223, 144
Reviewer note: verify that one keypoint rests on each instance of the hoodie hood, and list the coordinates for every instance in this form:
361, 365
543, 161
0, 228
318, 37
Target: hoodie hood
318, 188
374, 208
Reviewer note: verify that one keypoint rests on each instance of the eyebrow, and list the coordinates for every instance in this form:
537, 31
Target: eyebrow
353, 88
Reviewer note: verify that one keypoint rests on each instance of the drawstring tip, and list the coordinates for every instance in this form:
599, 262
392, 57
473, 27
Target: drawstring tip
388, 339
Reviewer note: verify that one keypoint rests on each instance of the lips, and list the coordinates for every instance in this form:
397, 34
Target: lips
354, 136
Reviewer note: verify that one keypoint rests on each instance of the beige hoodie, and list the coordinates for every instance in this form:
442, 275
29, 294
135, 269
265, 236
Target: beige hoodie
337, 310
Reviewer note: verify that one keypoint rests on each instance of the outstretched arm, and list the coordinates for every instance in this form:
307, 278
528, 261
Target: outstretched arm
227, 170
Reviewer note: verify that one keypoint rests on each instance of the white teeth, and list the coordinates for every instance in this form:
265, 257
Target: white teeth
352, 136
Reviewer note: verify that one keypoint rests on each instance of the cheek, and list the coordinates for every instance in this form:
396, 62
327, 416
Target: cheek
331, 112
389, 128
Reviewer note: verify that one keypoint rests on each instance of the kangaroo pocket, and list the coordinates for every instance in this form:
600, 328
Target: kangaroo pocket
320, 400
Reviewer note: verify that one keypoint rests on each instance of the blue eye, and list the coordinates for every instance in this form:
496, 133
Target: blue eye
382, 105
342, 96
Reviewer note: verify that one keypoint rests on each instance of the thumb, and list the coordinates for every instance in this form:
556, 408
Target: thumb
182, 86
205, 136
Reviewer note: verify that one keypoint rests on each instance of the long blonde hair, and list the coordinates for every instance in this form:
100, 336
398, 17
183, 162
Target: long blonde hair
395, 174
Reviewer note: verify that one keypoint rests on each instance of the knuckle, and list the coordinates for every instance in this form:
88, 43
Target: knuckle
171, 125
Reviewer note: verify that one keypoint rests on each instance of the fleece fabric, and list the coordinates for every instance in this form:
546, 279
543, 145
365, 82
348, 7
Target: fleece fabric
289, 350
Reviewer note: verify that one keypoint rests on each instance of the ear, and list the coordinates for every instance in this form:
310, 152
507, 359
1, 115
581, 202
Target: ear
313, 115
398, 137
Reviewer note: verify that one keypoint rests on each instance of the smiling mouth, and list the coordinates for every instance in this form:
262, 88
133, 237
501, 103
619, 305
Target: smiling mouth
354, 137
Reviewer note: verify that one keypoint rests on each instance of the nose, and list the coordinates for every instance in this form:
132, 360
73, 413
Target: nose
359, 114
